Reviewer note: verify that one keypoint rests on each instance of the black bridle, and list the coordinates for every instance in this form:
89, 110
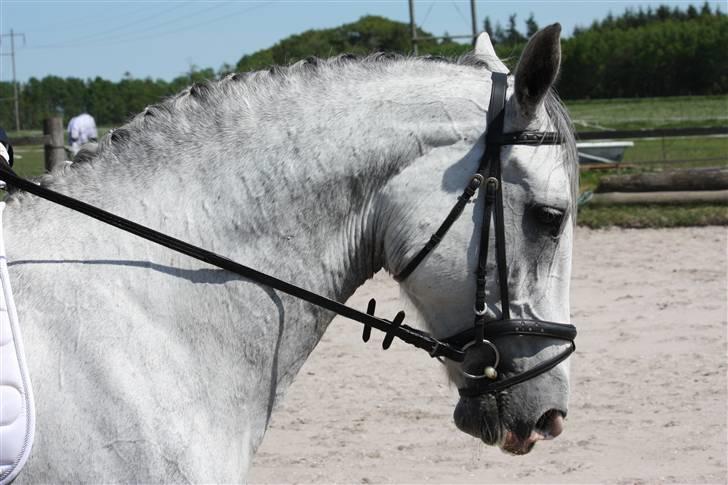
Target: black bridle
474, 348
477, 342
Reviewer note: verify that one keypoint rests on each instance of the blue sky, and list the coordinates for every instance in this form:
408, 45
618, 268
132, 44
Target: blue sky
162, 39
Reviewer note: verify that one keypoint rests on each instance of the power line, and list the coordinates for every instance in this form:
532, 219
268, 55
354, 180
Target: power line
104, 37
462, 16
134, 23
427, 14
413, 26
185, 28
200, 24
94, 19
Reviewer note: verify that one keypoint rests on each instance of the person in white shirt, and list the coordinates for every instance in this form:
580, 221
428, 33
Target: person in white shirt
6, 149
6, 153
81, 130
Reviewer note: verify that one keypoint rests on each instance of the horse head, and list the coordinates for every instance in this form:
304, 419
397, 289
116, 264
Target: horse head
538, 210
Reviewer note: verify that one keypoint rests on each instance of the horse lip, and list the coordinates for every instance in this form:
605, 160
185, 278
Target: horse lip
491, 434
515, 445
493, 431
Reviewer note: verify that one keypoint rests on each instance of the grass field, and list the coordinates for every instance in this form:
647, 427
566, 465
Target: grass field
638, 113
653, 216
687, 151
29, 160
646, 155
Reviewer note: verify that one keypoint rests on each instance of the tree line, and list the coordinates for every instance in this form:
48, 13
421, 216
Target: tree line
661, 52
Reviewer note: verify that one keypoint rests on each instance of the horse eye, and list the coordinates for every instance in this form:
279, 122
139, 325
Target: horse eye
549, 216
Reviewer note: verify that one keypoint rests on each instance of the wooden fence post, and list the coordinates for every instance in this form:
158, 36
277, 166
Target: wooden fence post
55, 152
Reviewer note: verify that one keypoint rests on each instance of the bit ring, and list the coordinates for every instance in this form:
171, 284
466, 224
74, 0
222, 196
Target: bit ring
494, 366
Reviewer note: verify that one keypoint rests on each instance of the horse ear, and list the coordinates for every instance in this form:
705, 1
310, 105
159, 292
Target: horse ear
485, 52
538, 67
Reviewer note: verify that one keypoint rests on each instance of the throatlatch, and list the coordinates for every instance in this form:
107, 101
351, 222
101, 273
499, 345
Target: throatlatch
474, 349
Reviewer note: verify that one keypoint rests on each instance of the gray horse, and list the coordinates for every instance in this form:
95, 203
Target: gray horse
148, 366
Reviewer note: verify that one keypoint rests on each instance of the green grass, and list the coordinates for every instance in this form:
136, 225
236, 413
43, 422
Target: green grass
13, 134
642, 216
638, 113
29, 160
679, 148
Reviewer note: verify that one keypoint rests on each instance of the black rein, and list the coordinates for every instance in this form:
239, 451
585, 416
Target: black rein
406, 333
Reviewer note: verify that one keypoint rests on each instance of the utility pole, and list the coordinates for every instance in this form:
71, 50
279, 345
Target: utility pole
413, 27
474, 16
12, 36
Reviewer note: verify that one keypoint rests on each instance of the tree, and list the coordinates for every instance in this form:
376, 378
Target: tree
648, 60
531, 25
487, 27
225, 69
663, 12
499, 36
513, 36
368, 34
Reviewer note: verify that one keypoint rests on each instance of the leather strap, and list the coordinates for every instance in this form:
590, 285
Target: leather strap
491, 162
454, 214
478, 387
500, 244
526, 138
502, 328
408, 334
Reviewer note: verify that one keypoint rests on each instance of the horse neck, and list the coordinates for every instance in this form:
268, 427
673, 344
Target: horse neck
282, 173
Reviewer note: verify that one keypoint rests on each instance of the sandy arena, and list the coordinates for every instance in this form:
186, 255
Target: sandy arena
648, 398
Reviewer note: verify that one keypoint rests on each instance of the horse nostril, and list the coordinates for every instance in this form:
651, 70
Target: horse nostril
551, 424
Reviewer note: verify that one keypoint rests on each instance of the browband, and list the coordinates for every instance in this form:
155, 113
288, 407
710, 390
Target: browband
525, 138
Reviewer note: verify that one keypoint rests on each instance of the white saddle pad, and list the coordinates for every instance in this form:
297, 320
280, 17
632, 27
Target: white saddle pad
17, 411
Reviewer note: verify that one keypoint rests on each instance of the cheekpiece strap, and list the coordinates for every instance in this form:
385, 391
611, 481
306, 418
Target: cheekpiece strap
492, 204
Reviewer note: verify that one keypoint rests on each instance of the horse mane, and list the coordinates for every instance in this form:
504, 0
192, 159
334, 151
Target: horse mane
205, 94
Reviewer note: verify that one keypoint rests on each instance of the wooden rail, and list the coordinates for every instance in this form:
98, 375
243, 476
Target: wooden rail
693, 179
671, 198
652, 133
29, 140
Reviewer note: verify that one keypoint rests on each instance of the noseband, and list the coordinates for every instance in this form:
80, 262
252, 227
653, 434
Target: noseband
481, 355
475, 349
